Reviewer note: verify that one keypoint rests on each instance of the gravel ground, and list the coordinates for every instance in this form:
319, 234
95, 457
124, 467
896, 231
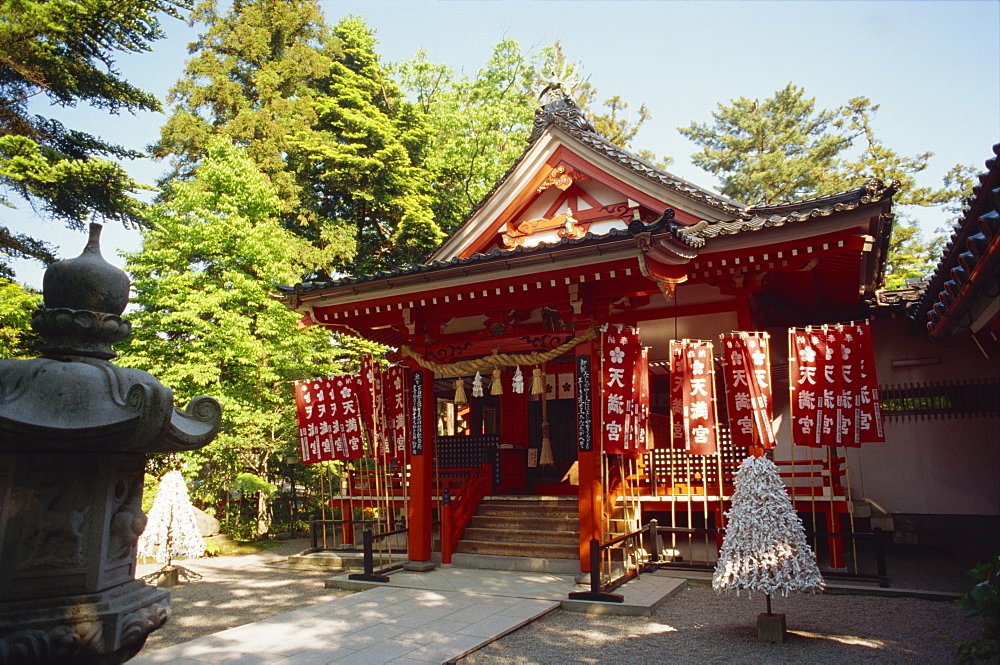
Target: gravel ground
696, 626
700, 626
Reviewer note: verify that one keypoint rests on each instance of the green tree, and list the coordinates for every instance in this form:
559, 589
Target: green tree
366, 176
782, 149
479, 124
318, 114
64, 50
205, 322
248, 79
17, 341
770, 151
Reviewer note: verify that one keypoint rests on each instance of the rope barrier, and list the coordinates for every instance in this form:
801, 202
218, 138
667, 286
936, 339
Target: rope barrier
489, 363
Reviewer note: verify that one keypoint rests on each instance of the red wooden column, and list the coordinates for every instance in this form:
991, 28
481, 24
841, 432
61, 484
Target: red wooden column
422, 430
588, 428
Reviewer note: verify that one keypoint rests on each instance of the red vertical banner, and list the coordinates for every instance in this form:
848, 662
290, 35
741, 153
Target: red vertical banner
383, 440
868, 402
619, 356
366, 404
692, 396
347, 435
396, 401
638, 423
314, 411
834, 389
805, 373
747, 377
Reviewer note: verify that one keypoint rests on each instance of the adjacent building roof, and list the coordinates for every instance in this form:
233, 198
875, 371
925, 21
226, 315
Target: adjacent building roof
964, 291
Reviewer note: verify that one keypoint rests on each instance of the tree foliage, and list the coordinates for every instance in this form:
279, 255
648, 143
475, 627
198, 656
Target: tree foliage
206, 323
783, 148
770, 151
317, 112
17, 340
480, 124
63, 51
366, 175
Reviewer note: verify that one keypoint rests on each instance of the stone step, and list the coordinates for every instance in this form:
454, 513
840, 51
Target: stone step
527, 522
521, 536
523, 563
518, 549
525, 508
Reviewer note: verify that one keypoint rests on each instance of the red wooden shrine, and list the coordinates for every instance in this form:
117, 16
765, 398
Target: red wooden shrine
580, 233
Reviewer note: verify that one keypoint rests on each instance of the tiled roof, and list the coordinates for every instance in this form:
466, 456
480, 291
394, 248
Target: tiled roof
565, 114
762, 217
496, 255
951, 292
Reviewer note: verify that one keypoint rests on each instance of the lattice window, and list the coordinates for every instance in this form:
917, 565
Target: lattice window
942, 399
462, 452
683, 473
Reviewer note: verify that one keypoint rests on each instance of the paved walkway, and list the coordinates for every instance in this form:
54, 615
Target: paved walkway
416, 618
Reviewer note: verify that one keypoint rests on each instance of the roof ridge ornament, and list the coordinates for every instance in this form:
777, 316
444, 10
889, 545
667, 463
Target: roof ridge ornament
557, 107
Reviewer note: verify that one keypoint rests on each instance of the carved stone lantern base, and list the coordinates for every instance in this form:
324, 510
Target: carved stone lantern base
103, 628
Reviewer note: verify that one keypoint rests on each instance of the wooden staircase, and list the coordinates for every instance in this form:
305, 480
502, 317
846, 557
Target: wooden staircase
535, 530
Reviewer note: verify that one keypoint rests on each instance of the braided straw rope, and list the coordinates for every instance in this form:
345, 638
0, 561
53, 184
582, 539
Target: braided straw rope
489, 363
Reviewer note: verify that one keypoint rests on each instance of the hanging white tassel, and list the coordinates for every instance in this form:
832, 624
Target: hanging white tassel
518, 384
477, 385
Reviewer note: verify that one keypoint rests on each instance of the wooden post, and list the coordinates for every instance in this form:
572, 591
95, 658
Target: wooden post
590, 489
421, 464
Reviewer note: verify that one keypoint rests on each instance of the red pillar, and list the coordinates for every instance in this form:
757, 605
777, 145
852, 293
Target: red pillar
421, 464
591, 492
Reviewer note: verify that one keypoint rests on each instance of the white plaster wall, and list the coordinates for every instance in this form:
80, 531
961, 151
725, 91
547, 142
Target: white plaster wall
942, 466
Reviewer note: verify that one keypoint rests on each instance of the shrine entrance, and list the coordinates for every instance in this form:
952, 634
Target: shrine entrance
529, 440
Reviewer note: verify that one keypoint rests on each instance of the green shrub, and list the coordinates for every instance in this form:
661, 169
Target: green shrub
983, 601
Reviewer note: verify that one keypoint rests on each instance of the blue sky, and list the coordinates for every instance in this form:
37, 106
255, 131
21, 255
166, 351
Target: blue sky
934, 67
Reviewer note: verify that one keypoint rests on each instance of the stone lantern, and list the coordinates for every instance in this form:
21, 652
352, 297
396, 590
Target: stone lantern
75, 430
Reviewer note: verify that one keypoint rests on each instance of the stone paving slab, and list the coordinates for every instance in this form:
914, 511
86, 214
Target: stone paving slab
383, 625
415, 618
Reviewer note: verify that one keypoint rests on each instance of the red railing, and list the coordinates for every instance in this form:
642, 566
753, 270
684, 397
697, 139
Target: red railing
460, 500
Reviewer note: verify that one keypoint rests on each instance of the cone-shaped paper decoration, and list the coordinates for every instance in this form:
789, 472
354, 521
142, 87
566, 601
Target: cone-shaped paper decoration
460, 391
765, 547
537, 381
496, 387
171, 530
518, 383
477, 385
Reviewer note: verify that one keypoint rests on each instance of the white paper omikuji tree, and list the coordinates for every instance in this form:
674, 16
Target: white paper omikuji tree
765, 547
171, 528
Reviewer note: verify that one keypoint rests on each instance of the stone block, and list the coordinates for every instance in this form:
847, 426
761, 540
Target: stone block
771, 627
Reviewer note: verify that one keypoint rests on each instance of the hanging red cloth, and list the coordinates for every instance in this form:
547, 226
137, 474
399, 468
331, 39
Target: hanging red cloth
619, 359
314, 408
692, 396
747, 377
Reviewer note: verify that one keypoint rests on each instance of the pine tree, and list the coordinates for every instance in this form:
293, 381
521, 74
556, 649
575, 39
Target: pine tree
783, 148
769, 151
171, 528
248, 79
765, 547
365, 178
63, 51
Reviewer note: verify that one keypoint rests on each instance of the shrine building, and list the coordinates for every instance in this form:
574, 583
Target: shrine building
581, 237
